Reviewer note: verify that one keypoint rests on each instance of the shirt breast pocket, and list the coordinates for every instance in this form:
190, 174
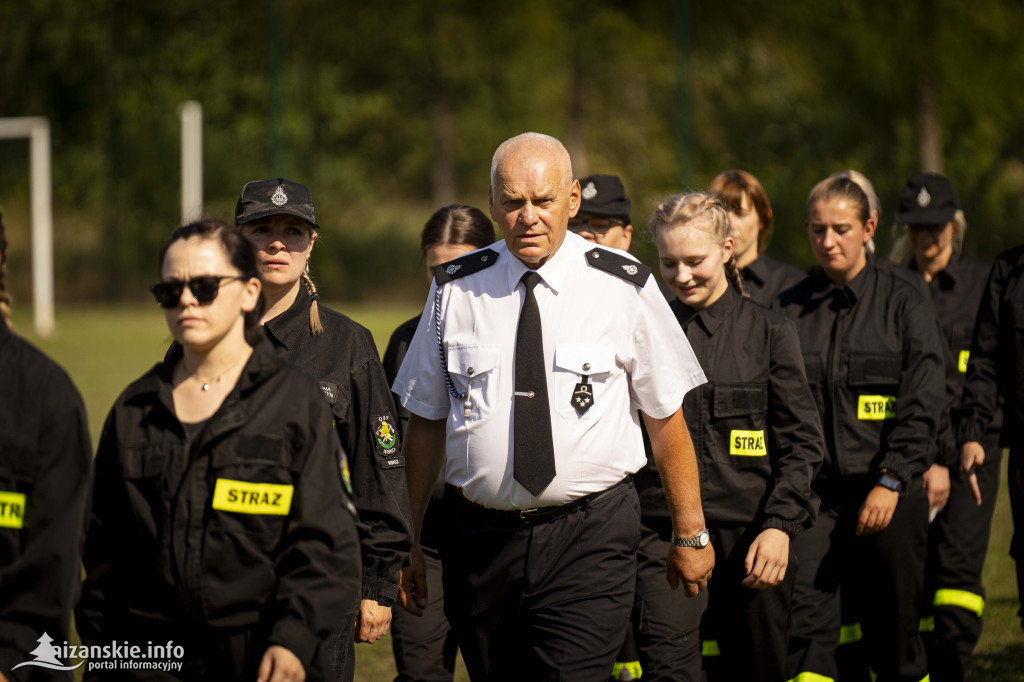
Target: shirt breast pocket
873, 379
143, 470
567, 391
739, 419
472, 371
15, 495
252, 490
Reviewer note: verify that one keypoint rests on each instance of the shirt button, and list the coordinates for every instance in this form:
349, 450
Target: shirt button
469, 371
586, 366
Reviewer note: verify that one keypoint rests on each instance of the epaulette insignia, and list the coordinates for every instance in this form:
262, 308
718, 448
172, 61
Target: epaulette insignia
620, 266
466, 265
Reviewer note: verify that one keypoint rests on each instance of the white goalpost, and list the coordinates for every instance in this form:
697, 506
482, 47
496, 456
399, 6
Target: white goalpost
37, 130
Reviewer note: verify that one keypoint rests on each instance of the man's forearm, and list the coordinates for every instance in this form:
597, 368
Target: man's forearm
424, 455
677, 465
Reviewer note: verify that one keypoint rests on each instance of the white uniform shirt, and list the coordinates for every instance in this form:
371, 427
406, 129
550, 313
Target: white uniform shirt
639, 359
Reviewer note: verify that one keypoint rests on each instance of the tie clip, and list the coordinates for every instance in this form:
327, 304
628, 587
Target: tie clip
525, 394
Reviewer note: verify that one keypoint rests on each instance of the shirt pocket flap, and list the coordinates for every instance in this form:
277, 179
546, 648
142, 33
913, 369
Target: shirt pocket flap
584, 358
738, 400
812, 366
143, 462
875, 369
251, 449
471, 361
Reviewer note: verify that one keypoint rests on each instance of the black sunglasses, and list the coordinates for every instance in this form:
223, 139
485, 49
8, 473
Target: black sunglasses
205, 289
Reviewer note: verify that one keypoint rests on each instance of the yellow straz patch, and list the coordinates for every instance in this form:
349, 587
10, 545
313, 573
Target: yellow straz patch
962, 361
252, 498
747, 443
876, 407
12, 510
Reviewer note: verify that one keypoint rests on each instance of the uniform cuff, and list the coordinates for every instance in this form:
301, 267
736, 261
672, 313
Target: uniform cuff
788, 527
380, 589
967, 432
296, 638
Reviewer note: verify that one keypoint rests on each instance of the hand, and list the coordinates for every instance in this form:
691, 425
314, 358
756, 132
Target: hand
690, 565
412, 590
877, 510
280, 665
972, 455
373, 621
767, 559
936, 482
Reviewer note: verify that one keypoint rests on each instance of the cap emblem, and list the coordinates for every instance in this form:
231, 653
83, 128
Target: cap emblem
630, 269
589, 192
452, 269
279, 198
923, 198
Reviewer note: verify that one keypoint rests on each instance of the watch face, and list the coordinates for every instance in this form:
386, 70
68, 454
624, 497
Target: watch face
703, 538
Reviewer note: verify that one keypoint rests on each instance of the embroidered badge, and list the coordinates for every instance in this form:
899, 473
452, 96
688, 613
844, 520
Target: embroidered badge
384, 434
452, 269
589, 192
923, 197
630, 269
330, 391
346, 475
279, 198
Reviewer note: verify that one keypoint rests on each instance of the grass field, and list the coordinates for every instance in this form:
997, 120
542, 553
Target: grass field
105, 348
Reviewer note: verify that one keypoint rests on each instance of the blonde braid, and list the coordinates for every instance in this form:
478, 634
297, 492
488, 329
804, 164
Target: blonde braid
315, 326
732, 273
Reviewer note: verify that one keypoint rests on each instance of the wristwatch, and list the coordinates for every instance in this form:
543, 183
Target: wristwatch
698, 541
887, 479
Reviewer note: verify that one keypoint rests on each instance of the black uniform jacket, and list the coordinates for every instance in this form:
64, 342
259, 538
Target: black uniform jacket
430, 533
344, 360
956, 293
766, 278
754, 424
45, 482
874, 361
246, 530
995, 372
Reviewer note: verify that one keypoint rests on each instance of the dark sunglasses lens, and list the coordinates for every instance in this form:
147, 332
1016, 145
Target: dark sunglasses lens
204, 288
167, 294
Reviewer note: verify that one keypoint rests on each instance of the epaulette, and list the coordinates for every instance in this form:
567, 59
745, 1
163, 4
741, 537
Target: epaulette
464, 265
620, 266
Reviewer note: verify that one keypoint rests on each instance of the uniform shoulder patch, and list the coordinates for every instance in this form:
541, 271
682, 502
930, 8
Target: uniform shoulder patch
466, 265
385, 437
620, 266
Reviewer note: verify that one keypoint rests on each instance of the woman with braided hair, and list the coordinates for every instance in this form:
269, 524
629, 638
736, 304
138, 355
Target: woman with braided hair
277, 217
758, 441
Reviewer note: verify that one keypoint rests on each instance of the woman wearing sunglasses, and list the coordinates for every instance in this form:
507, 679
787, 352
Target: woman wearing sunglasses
215, 521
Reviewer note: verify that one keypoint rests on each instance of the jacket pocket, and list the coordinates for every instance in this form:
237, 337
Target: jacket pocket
573, 361
142, 468
15, 498
252, 490
874, 378
739, 421
472, 372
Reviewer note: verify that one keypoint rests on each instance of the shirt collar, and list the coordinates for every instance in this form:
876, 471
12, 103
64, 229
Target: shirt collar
949, 275
712, 317
756, 271
287, 328
555, 269
823, 287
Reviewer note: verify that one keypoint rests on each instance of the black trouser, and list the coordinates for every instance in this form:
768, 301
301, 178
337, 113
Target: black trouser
954, 596
749, 627
1015, 475
425, 646
882, 581
666, 623
544, 601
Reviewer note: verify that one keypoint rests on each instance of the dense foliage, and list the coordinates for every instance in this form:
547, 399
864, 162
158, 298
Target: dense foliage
387, 110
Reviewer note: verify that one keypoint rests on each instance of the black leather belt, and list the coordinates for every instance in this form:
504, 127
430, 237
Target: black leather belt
532, 517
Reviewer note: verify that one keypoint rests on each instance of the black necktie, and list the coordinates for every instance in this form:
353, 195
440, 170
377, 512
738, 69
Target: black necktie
534, 454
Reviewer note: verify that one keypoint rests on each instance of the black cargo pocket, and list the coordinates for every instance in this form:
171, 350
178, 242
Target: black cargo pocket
739, 420
143, 470
15, 497
875, 369
813, 367
253, 490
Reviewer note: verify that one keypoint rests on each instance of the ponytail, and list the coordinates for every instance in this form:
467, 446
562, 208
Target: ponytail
315, 326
